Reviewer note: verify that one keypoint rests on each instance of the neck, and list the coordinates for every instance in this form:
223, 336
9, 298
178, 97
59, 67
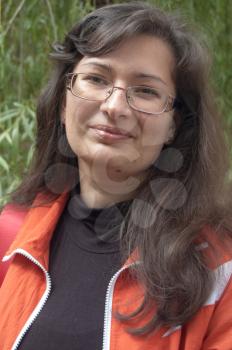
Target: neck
99, 190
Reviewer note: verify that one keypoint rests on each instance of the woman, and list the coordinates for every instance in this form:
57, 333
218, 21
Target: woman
125, 241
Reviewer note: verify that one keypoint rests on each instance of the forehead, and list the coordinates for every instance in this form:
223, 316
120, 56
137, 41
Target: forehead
140, 56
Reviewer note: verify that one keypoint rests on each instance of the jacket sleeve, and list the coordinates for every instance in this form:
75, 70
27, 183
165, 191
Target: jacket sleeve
11, 218
219, 334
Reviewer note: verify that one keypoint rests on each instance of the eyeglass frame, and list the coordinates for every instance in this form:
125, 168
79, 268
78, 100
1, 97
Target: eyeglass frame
173, 104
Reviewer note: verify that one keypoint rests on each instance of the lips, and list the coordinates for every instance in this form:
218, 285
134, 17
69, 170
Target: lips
112, 130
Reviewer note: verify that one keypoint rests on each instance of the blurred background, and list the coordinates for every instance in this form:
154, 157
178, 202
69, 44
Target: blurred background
27, 30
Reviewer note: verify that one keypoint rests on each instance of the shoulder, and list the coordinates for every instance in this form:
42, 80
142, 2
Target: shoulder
216, 246
12, 212
11, 219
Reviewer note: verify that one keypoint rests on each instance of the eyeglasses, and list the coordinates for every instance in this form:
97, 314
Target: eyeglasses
146, 99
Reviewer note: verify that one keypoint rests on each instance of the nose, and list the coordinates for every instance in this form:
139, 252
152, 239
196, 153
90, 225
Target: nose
116, 104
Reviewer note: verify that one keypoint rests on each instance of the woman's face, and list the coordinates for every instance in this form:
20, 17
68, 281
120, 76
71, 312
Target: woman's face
142, 60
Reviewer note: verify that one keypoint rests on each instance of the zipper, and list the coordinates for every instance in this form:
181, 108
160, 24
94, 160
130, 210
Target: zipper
108, 307
42, 301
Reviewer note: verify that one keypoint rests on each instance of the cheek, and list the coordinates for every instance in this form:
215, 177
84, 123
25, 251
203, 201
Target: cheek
73, 125
156, 131
76, 106
77, 115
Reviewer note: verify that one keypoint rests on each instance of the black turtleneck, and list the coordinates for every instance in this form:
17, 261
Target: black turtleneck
84, 255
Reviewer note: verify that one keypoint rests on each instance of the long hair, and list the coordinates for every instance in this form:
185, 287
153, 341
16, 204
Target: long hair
185, 187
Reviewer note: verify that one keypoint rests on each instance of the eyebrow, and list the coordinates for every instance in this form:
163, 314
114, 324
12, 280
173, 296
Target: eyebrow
136, 75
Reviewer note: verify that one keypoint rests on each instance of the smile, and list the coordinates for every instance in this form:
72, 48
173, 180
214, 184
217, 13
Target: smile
111, 133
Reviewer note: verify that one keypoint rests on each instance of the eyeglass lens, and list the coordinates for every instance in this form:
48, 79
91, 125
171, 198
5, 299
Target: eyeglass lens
96, 88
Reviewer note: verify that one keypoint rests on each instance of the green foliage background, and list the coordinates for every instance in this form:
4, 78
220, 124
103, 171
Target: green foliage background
27, 30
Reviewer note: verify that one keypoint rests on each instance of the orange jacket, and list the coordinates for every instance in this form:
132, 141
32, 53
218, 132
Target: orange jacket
11, 219
27, 286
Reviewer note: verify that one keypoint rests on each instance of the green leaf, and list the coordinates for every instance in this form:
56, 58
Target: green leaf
4, 164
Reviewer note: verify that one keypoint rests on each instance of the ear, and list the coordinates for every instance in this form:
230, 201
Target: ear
171, 134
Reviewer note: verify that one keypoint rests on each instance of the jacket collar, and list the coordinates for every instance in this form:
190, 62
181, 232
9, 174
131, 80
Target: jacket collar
37, 229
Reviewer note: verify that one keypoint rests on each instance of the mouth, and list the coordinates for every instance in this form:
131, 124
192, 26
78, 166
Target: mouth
106, 130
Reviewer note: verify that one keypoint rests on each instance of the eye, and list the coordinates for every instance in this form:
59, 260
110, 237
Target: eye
146, 92
95, 79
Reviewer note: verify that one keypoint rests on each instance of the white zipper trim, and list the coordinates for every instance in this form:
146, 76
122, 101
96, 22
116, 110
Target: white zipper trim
40, 305
42, 301
108, 307
171, 330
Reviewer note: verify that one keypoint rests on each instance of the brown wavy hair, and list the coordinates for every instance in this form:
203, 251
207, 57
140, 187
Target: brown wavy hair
185, 189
